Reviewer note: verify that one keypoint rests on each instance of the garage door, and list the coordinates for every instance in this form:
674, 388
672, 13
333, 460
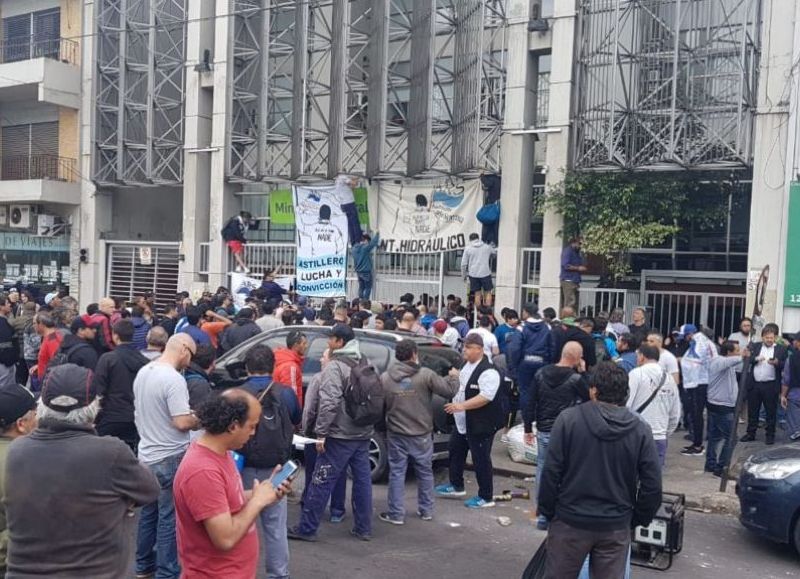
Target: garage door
136, 268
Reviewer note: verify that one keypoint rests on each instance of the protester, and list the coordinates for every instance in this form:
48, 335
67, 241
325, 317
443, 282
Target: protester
243, 329
723, 392
626, 348
408, 390
233, 235
362, 263
490, 346
745, 334
31, 343
343, 192
478, 416
77, 347
17, 418
270, 446
446, 333
572, 266
192, 328
666, 359
342, 444
163, 421
410, 323
103, 319
270, 292
654, 396
616, 323
69, 494
9, 352
557, 387
476, 268
214, 324
638, 326
268, 321
140, 327
156, 342
511, 323
310, 411
790, 389
694, 371
601, 479
763, 387
23, 328
113, 380
197, 375
169, 320
289, 363
50, 342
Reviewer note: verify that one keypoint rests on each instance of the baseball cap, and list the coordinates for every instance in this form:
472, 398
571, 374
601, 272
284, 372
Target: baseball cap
49, 298
687, 329
80, 323
15, 402
343, 332
473, 340
68, 387
440, 326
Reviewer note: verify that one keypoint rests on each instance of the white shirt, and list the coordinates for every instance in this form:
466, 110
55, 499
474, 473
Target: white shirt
488, 383
490, 345
663, 413
742, 340
668, 361
764, 371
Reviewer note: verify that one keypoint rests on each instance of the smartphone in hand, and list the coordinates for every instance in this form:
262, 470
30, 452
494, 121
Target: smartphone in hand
288, 470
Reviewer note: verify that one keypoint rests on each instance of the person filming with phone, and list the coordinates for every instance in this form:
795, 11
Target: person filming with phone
217, 535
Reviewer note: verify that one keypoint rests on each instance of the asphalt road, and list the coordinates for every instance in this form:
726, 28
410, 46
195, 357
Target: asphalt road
460, 543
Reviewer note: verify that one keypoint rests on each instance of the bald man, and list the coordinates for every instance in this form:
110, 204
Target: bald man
102, 319
163, 419
555, 388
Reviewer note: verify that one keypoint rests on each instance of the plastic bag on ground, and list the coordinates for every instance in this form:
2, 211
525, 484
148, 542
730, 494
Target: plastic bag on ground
518, 451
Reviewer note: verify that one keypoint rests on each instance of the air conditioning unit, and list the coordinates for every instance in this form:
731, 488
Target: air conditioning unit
46, 225
20, 216
3, 215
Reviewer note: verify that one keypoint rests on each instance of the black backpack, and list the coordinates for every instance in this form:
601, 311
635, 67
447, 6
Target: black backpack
363, 393
272, 443
62, 356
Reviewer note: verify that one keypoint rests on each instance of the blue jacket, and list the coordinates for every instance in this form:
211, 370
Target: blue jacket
362, 254
198, 335
627, 361
500, 333
256, 384
140, 329
536, 341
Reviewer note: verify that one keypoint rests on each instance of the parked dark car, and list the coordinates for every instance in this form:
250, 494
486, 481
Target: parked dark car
769, 494
378, 347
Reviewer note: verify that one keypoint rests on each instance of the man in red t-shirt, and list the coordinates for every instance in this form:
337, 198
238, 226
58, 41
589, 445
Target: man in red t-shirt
45, 326
217, 536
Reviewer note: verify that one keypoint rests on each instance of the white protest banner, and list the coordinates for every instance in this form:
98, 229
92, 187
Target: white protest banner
427, 218
321, 242
241, 286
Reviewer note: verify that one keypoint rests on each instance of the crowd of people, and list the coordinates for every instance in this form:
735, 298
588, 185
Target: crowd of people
115, 408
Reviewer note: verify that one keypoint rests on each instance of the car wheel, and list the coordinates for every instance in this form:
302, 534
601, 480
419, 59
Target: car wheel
378, 457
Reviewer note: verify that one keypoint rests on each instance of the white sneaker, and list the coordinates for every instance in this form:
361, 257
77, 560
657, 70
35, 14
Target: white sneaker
239, 269
247, 270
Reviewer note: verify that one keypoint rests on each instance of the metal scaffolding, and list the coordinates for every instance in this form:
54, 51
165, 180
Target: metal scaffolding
666, 83
139, 92
381, 88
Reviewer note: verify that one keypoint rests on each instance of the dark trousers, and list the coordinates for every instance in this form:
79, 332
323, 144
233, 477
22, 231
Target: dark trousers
567, 548
353, 226
697, 397
720, 426
339, 492
766, 393
22, 372
481, 448
331, 465
527, 371
364, 285
125, 431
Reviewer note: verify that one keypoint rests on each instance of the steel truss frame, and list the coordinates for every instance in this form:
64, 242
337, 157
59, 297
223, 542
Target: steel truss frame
666, 84
139, 92
381, 88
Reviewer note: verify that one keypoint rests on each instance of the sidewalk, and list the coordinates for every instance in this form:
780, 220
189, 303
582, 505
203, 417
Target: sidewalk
682, 474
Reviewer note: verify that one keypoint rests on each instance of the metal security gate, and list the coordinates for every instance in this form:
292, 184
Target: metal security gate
395, 274
136, 267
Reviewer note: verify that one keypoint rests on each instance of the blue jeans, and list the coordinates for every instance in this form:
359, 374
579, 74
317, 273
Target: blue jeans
542, 444
331, 465
420, 450
364, 285
339, 493
661, 447
793, 411
526, 372
156, 545
273, 527
720, 425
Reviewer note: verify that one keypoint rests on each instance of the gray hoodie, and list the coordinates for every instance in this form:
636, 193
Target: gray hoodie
475, 261
332, 419
408, 390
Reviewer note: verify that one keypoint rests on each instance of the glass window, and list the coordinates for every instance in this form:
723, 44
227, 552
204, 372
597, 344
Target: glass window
312, 364
376, 352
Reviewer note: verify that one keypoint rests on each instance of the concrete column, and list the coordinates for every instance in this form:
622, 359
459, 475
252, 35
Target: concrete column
94, 218
558, 143
198, 125
517, 158
222, 204
771, 179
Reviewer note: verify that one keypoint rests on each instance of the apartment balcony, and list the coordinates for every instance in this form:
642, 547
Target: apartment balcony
47, 71
39, 179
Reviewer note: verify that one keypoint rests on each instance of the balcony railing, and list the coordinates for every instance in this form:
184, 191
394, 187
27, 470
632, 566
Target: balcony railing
17, 49
39, 167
